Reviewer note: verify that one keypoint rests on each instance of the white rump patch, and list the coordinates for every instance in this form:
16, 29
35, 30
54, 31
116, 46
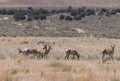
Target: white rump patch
25, 49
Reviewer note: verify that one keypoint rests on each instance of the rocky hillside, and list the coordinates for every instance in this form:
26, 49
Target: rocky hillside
97, 26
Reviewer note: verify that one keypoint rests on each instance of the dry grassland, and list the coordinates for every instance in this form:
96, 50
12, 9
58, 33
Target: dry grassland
16, 67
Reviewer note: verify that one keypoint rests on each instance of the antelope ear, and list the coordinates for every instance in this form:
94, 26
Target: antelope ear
49, 46
113, 46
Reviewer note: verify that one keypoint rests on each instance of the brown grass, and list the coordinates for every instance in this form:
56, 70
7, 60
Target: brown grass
16, 67
42, 71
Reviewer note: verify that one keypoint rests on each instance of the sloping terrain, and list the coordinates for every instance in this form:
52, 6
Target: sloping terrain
95, 26
59, 3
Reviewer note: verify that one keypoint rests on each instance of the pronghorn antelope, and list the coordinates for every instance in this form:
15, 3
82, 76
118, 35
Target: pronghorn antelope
72, 52
24, 51
47, 50
108, 52
28, 51
40, 52
44, 52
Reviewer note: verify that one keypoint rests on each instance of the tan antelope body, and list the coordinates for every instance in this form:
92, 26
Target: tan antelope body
41, 52
44, 52
28, 51
108, 52
73, 53
47, 50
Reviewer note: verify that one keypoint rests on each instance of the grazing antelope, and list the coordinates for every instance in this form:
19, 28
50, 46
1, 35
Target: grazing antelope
24, 51
28, 51
72, 52
108, 52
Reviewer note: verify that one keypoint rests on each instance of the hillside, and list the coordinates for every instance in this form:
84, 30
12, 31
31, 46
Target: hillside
96, 26
60, 3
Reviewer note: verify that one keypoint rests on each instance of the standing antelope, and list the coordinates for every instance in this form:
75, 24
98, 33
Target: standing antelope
44, 52
40, 52
108, 52
72, 52
28, 51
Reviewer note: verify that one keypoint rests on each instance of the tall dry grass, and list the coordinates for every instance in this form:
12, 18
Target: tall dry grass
16, 67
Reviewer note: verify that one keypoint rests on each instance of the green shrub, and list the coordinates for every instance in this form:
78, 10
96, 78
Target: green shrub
68, 18
62, 17
78, 17
73, 13
19, 16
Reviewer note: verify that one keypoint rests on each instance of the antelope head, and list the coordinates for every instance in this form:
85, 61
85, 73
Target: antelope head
45, 46
50, 47
19, 50
113, 47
